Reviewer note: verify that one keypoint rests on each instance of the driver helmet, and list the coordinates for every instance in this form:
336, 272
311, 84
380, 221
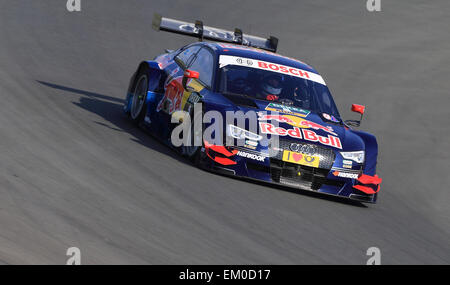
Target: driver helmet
272, 85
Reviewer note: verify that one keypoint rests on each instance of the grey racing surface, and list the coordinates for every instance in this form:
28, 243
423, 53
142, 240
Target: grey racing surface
75, 172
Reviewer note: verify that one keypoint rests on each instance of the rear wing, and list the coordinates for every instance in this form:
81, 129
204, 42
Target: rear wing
214, 34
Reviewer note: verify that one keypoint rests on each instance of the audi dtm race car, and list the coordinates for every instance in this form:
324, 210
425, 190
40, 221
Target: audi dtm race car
299, 141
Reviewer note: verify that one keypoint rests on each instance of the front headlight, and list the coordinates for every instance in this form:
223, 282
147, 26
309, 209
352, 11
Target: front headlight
356, 156
239, 133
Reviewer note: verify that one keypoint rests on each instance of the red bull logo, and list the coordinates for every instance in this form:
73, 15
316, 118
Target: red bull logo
296, 132
316, 126
172, 98
296, 122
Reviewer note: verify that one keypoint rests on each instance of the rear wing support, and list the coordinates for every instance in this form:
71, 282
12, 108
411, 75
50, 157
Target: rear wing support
198, 30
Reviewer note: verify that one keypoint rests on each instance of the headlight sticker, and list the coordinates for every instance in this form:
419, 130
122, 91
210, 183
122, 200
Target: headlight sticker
356, 156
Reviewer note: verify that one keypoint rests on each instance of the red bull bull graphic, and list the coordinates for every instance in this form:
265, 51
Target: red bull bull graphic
172, 99
304, 134
295, 121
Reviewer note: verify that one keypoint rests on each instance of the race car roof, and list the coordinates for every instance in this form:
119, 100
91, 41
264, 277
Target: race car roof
254, 53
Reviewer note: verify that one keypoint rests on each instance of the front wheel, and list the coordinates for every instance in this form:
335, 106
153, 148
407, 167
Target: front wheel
139, 97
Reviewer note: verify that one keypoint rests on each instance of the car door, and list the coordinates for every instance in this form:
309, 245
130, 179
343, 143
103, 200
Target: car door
173, 88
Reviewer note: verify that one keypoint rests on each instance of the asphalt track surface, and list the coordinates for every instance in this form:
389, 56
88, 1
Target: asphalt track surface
75, 172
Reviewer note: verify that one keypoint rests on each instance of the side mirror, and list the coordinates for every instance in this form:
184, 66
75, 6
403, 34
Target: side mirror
190, 82
357, 109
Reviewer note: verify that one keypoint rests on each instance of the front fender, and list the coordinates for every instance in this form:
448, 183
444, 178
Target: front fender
155, 74
371, 148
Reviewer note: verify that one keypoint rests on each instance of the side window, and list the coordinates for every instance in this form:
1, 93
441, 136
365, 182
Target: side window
204, 63
185, 56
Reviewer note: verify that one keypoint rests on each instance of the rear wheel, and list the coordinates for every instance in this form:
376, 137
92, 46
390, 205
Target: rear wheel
195, 140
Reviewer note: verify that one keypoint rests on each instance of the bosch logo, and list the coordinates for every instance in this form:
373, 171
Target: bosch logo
303, 148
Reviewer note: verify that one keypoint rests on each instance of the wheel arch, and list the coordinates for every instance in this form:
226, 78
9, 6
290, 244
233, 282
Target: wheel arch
155, 74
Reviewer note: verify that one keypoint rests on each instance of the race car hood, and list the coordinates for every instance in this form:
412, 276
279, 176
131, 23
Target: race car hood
304, 125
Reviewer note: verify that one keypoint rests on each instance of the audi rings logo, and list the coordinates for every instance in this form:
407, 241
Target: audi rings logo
303, 148
245, 61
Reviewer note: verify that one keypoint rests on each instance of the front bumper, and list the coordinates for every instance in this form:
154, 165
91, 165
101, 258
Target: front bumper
274, 170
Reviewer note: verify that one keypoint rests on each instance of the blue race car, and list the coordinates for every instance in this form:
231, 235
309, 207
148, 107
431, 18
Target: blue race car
300, 140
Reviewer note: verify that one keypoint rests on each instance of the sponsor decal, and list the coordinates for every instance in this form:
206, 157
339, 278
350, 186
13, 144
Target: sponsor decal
307, 149
171, 100
194, 98
297, 133
280, 108
296, 122
347, 163
345, 175
251, 155
299, 158
209, 31
250, 144
330, 117
225, 60
175, 97
211, 150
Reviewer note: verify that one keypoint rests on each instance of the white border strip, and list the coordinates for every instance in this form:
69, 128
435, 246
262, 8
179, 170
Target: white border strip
225, 60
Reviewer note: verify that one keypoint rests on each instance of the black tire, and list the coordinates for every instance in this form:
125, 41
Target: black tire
139, 96
192, 152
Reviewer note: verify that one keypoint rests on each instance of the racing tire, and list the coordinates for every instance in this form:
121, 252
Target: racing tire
139, 96
192, 152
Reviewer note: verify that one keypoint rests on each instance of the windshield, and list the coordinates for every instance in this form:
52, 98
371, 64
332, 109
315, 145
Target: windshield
276, 87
